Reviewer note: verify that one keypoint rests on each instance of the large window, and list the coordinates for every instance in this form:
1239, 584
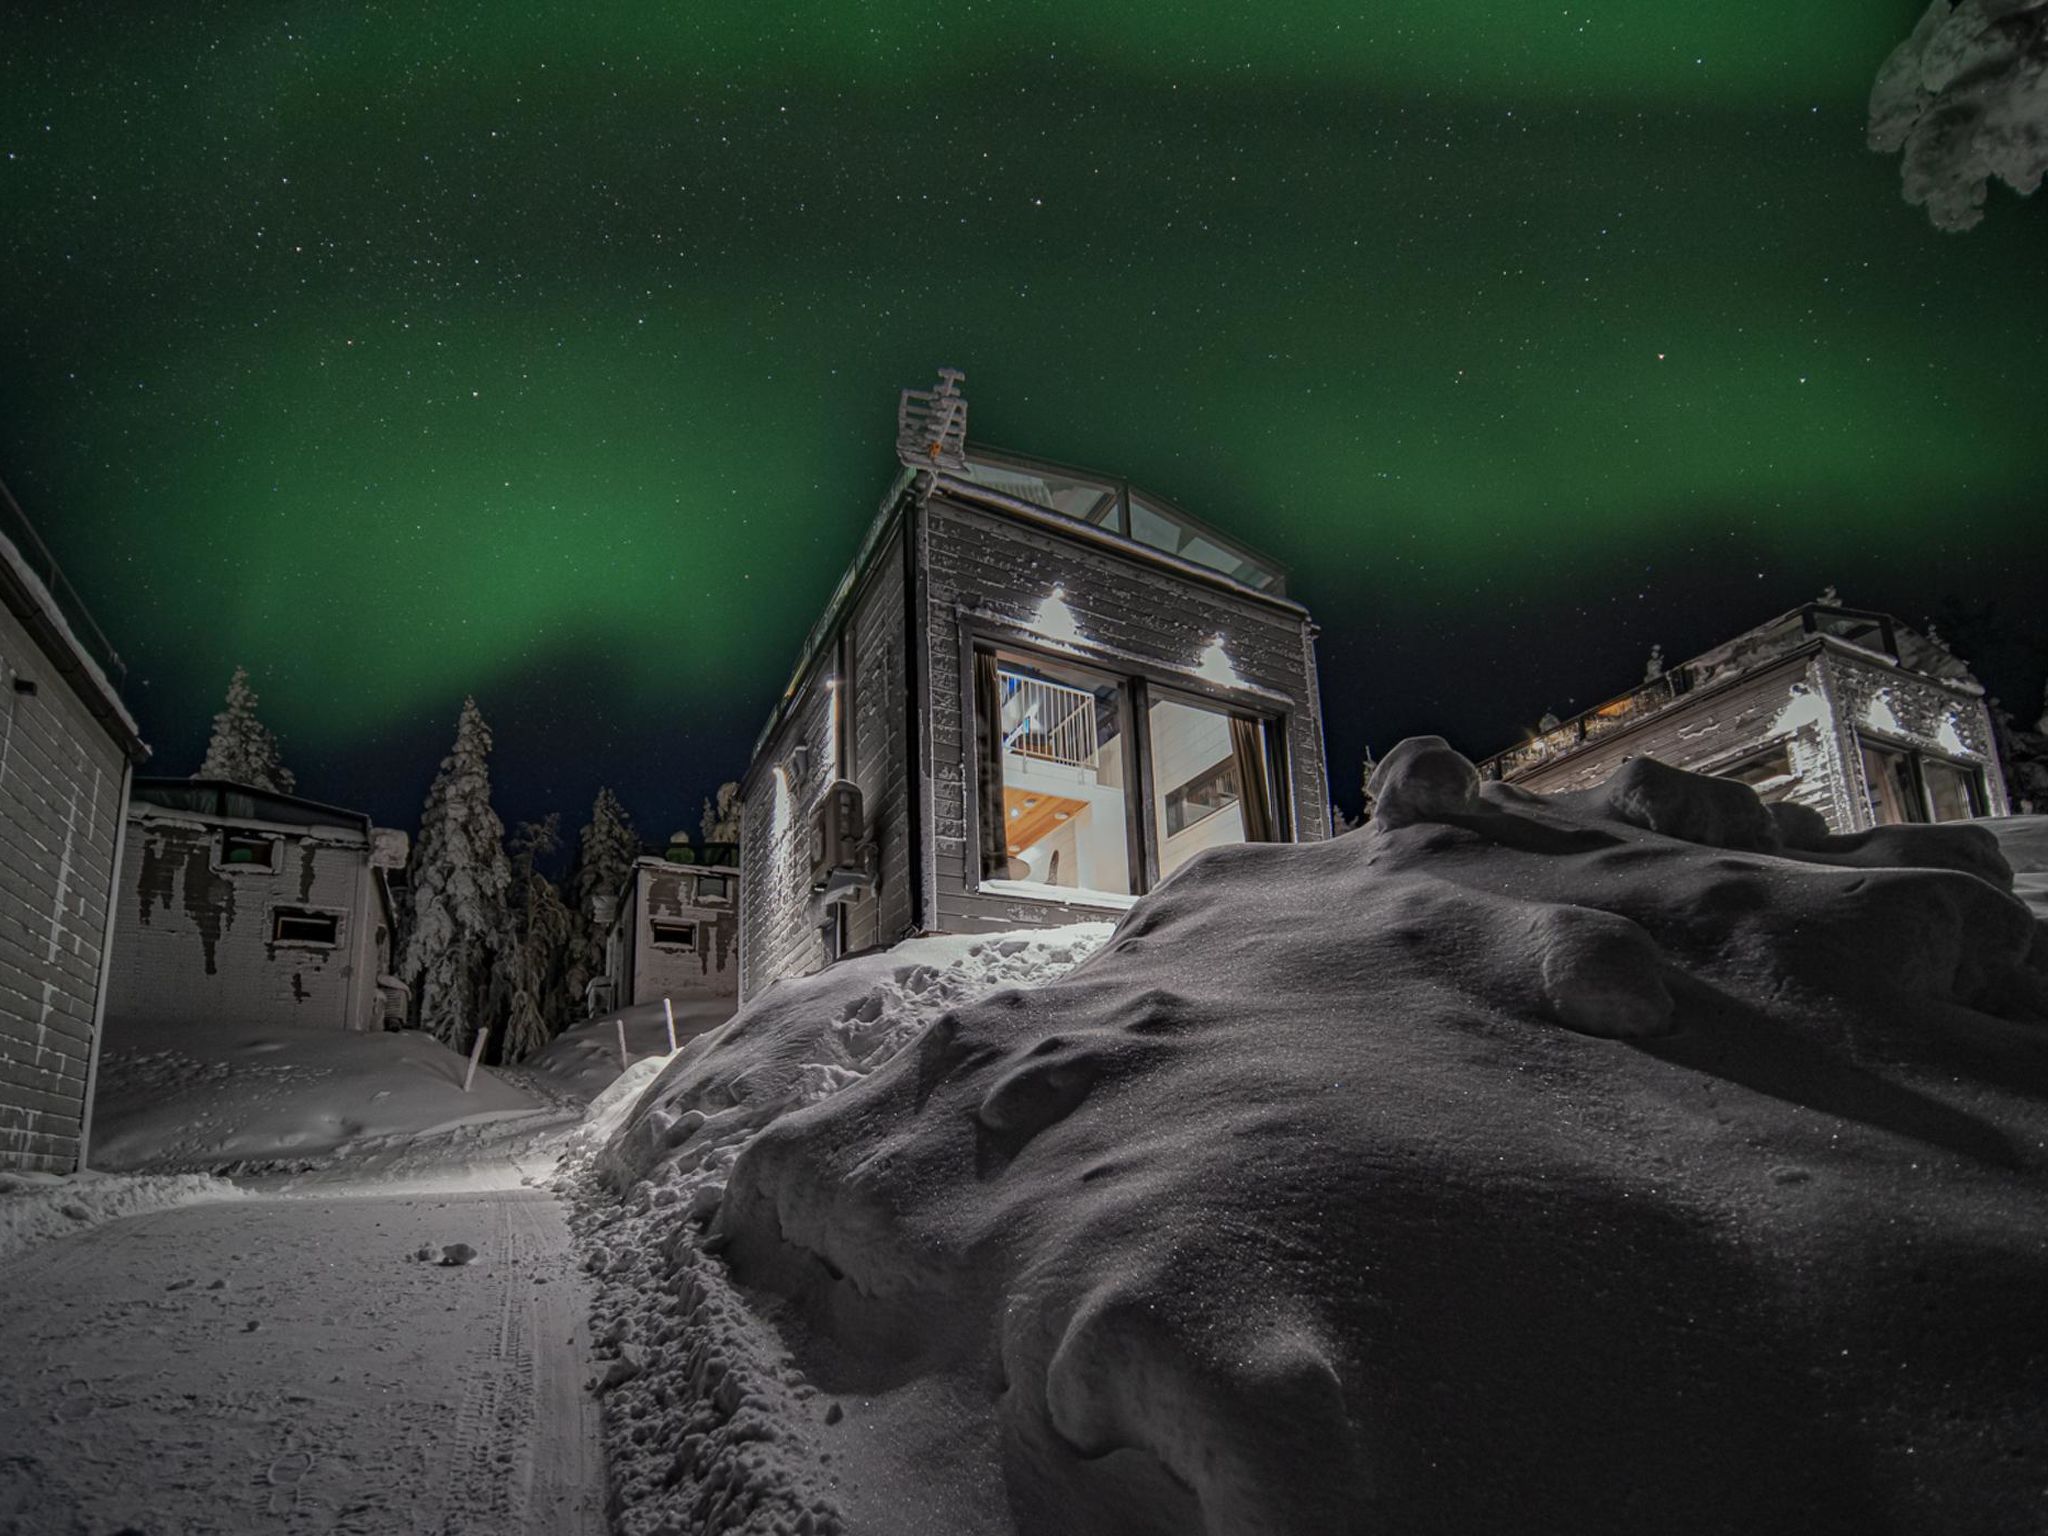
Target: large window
1058, 769
1916, 786
1209, 776
1053, 767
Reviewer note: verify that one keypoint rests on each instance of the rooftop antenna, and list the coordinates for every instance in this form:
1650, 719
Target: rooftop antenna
931, 424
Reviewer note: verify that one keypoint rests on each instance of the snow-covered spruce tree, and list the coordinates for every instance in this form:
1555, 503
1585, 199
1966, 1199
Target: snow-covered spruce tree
721, 822
537, 942
604, 854
242, 748
458, 878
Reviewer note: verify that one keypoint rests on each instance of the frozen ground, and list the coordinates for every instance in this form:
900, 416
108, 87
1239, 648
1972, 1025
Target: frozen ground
1642, 1159
283, 1359
287, 1364
250, 1099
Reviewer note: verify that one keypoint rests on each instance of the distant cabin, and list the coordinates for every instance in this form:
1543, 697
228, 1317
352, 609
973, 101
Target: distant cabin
674, 932
242, 906
1036, 693
67, 748
1844, 710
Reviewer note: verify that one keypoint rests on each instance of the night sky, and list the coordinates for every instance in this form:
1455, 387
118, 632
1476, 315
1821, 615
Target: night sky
551, 352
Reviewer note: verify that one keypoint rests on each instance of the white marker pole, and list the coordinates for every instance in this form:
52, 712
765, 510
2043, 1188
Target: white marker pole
625, 1061
669, 1009
476, 1053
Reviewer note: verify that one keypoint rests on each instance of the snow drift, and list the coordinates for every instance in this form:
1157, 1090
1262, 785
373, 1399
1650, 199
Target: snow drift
208, 1096
1638, 1159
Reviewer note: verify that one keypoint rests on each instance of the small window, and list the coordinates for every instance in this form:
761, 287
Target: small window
302, 925
1894, 794
714, 890
1954, 792
249, 850
1768, 773
673, 935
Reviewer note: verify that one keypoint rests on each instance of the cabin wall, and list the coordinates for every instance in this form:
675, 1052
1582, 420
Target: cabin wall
983, 565
61, 778
878, 734
1787, 704
710, 969
777, 936
1816, 705
193, 938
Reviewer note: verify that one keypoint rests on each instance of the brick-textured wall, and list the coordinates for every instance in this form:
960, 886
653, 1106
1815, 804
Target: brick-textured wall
711, 969
982, 563
192, 942
60, 808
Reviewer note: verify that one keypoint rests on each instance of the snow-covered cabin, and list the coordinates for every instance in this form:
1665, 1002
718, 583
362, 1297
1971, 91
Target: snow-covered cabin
1841, 709
67, 749
1036, 693
674, 932
242, 906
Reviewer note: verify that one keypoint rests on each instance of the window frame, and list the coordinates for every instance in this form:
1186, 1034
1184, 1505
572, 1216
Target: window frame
1917, 759
282, 911
698, 886
674, 946
223, 865
1138, 684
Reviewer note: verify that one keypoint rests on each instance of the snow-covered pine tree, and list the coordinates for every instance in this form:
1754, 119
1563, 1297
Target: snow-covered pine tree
537, 943
721, 822
458, 877
242, 749
604, 854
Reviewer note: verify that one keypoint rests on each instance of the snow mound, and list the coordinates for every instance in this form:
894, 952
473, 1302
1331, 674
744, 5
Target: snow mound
35, 1208
208, 1097
583, 1060
708, 1427
1642, 1158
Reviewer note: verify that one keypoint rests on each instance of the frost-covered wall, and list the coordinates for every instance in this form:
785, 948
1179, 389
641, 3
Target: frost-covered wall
709, 965
983, 567
61, 777
1815, 705
197, 937
777, 935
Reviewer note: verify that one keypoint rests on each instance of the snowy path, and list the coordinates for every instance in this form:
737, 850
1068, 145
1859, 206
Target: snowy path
283, 1365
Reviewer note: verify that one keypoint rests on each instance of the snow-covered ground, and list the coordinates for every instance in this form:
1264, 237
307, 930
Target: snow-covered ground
290, 1365
203, 1097
290, 1352
37, 1207
1639, 1159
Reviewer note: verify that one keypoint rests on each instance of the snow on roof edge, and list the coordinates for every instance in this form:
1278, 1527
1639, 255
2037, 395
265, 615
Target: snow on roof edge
53, 615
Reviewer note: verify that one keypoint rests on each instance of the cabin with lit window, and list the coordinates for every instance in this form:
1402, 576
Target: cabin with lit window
1036, 693
1843, 710
673, 931
242, 906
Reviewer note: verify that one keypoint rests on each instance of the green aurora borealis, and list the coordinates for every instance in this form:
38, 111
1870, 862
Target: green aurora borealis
551, 353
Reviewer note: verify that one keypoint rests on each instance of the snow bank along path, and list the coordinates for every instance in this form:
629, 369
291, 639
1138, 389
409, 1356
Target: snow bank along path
1639, 1159
709, 1425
